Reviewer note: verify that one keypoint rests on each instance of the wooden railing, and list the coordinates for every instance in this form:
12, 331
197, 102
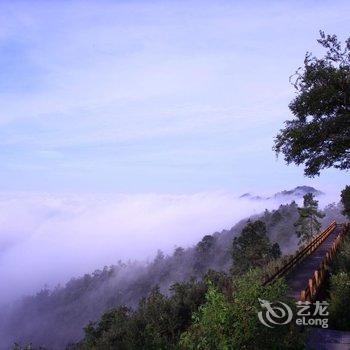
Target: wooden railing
314, 284
302, 253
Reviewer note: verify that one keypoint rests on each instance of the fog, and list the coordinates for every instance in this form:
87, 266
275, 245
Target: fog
46, 238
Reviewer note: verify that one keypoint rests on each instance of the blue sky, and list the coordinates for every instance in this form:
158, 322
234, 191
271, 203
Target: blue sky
147, 96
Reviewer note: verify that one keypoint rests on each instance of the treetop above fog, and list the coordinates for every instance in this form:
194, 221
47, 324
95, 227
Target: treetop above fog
319, 134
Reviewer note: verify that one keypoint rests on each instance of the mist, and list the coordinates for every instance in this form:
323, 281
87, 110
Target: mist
47, 239
59, 251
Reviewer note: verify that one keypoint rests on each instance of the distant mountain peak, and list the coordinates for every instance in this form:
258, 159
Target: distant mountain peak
245, 195
251, 196
297, 192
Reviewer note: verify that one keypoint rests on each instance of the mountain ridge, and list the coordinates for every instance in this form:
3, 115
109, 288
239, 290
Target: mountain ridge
297, 192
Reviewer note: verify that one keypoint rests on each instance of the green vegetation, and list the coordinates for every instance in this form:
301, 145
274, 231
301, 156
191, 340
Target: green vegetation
218, 312
222, 318
339, 291
252, 248
345, 200
87, 298
319, 134
308, 225
339, 300
156, 324
19, 347
230, 322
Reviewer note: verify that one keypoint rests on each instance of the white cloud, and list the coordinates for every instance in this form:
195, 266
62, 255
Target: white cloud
49, 238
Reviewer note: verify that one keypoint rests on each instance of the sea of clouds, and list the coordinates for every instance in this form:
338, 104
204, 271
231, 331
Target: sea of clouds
47, 238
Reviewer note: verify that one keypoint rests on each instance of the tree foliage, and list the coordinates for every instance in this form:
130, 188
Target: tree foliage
339, 301
231, 322
339, 289
345, 200
252, 248
308, 225
319, 134
210, 324
156, 324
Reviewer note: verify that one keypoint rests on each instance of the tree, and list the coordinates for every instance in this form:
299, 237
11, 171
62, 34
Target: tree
308, 225
319, 134
345, 200
341, 262
98, 336
16, 346
339, 291
252, 248
232, 323
156, 324
276, 251
204, 254
206, 244
211, 324
339, 301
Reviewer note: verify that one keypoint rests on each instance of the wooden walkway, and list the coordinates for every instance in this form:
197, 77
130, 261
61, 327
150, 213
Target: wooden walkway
298, 278
304, 275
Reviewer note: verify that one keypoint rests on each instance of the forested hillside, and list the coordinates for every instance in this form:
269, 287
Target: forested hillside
57, 317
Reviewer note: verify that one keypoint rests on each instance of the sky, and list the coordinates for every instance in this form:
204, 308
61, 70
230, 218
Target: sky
128, 126
153, 96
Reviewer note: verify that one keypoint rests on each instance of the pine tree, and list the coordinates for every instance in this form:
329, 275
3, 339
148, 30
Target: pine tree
308, 225
318, 135
252, 248
345, 200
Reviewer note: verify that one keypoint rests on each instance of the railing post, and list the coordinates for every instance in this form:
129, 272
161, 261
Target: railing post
311, 286
317, 281
322, 268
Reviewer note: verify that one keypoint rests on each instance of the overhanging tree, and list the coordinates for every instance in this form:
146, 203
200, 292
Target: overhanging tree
319, 134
